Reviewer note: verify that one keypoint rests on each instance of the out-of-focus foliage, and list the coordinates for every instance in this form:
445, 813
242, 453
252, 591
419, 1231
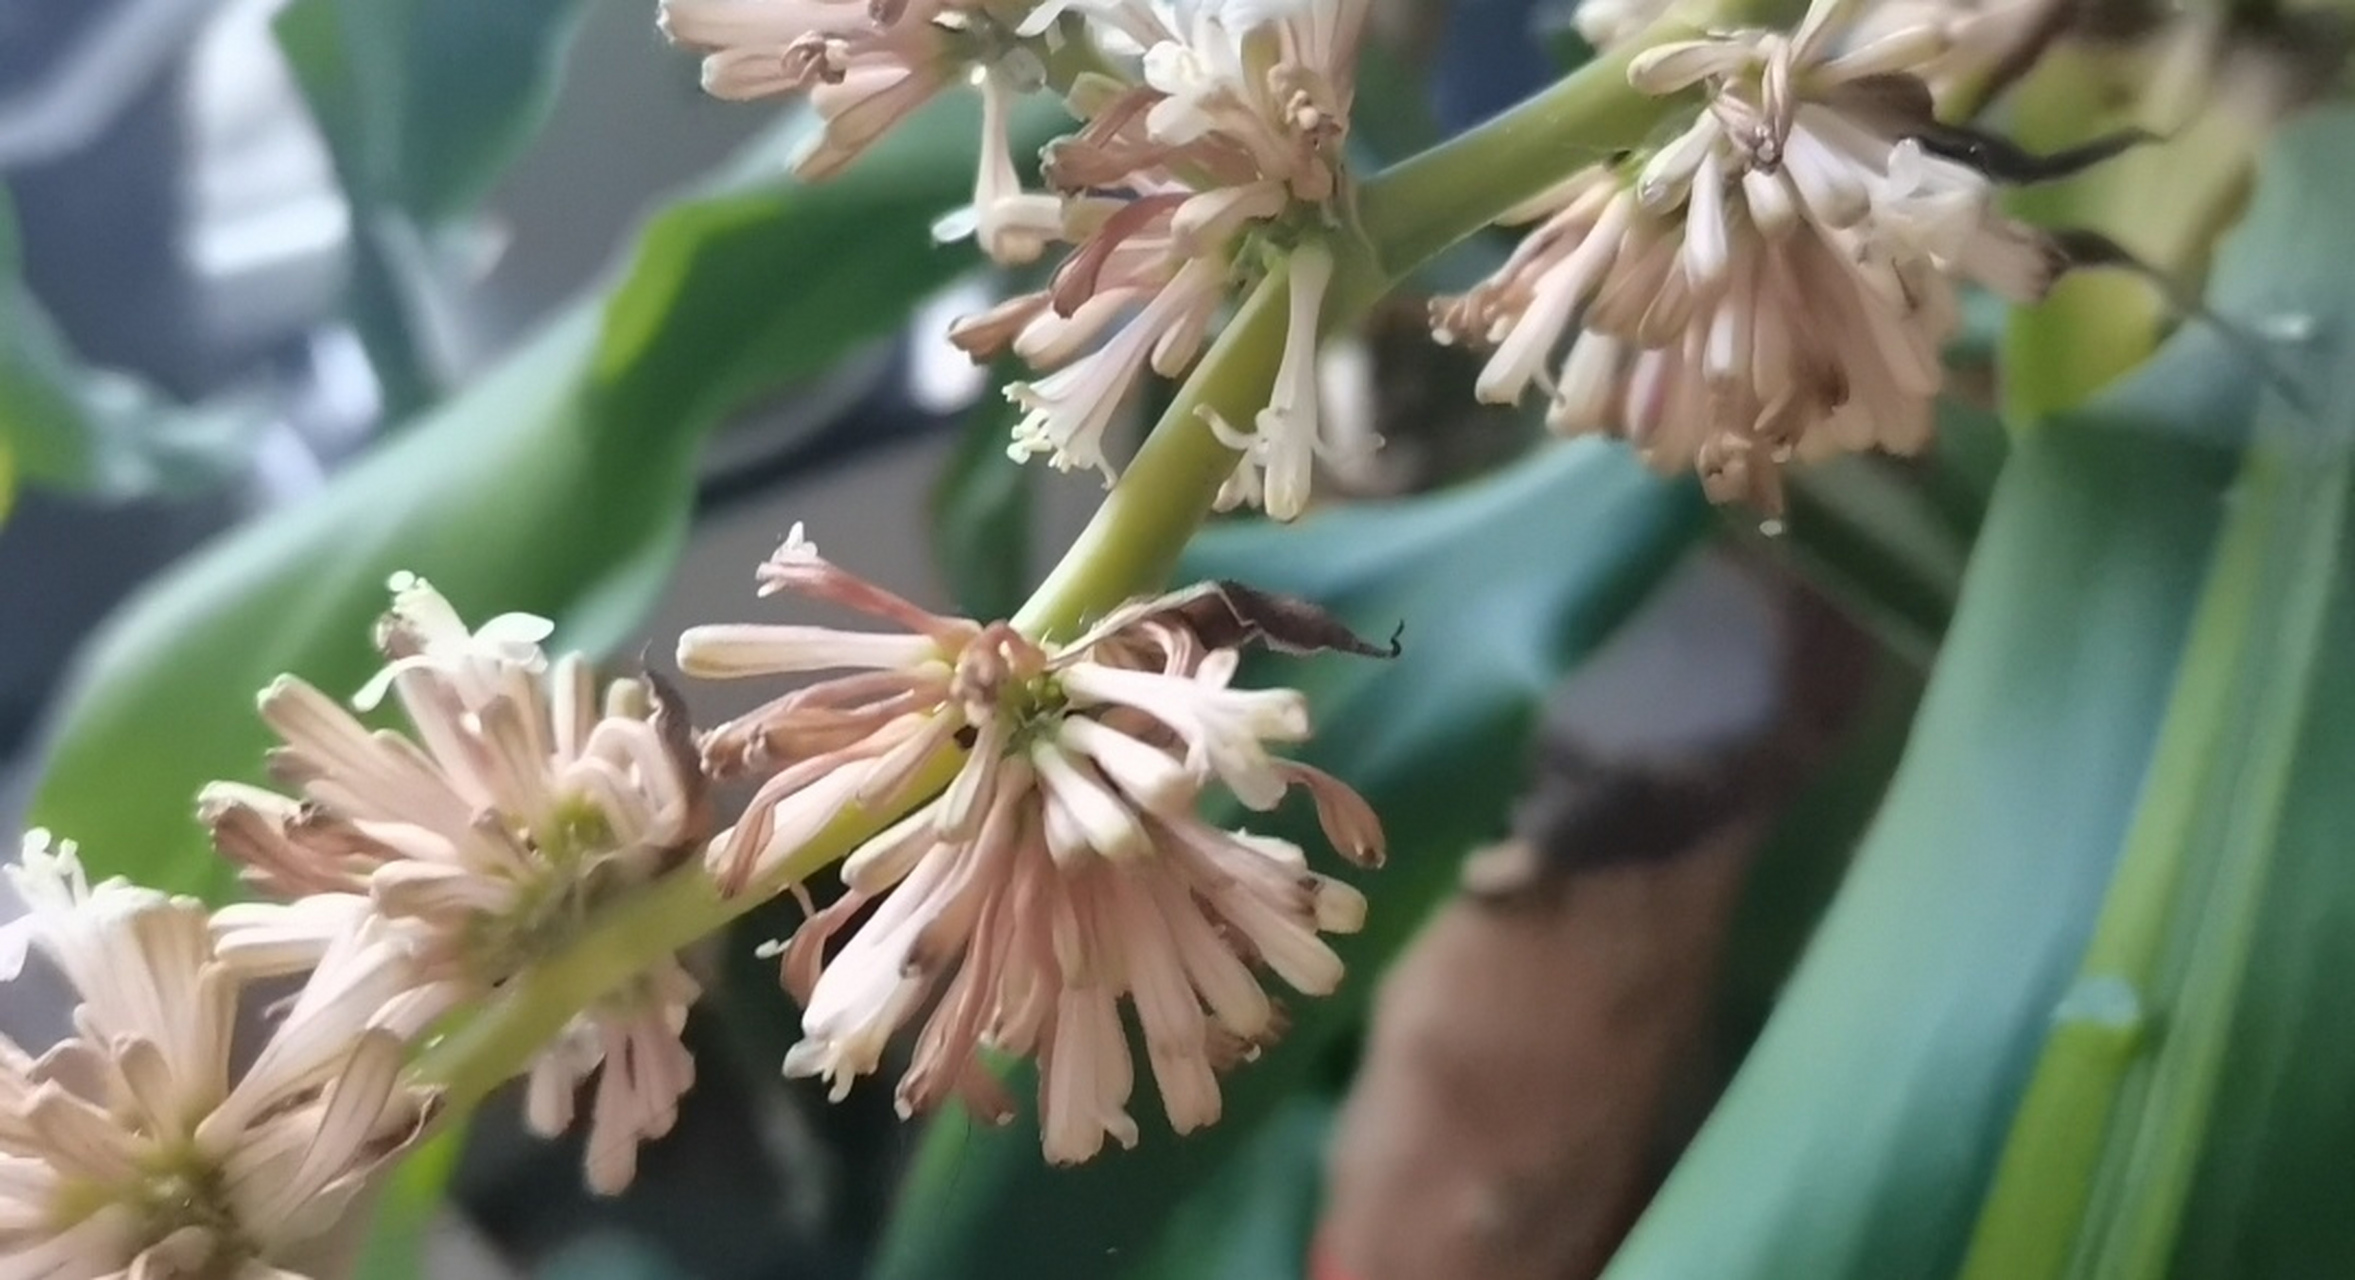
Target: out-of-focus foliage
1255, 1220
1873, 1094
425, 101
2151, 1131
559, 484
422, 103
1504, 584
2073, 1007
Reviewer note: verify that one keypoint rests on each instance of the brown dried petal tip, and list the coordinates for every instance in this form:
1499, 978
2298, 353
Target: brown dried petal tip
1229, 615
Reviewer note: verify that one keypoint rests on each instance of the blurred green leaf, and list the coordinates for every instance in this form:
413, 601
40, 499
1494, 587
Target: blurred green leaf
65, 425
2268, 1197
982, 508
424, 102
1502, 586
1254, 1221
1857, 1136
1867, 532
2098, 1176
1799, 867
610, 1255
2099, 1159
560, 485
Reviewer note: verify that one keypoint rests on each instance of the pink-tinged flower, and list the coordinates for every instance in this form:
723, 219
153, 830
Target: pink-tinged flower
139, 1145
522, 805
1063, 872
864, 66
1775, 282
1224, 153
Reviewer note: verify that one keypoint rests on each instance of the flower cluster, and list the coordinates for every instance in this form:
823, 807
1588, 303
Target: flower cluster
1064, 870
523, 804
865, 65
141, 1144
1773, 282
1220, 157
1210, 149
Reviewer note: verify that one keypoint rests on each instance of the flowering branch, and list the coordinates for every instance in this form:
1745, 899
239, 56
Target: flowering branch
1748, 251
1129, 547
1190, 463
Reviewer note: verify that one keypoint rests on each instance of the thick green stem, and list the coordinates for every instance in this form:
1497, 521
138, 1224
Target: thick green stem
1133, 541
1415, 211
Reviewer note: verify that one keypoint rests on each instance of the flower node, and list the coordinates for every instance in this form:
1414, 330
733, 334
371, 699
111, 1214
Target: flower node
1064, 872
524, 803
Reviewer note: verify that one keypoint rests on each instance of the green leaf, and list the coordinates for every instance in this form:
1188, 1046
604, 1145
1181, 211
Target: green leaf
982, 510
1872, 534
2098, 1176
424, 102
1858, 1135
561, 485
1800, 865
2267, 1198
1502, 587
2099, 1160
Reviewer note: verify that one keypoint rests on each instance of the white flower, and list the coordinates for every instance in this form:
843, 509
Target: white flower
1062, 872
646, 1070
1010, 225
1069, 410
1975, 38
136, 1146
522, 806
1278, 459
1224, 153
423, 631
1775, 282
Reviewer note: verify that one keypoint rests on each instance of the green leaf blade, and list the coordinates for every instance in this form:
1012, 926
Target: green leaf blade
1858, 1134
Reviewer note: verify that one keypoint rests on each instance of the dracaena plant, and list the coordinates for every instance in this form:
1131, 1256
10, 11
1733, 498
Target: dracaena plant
1745, 238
